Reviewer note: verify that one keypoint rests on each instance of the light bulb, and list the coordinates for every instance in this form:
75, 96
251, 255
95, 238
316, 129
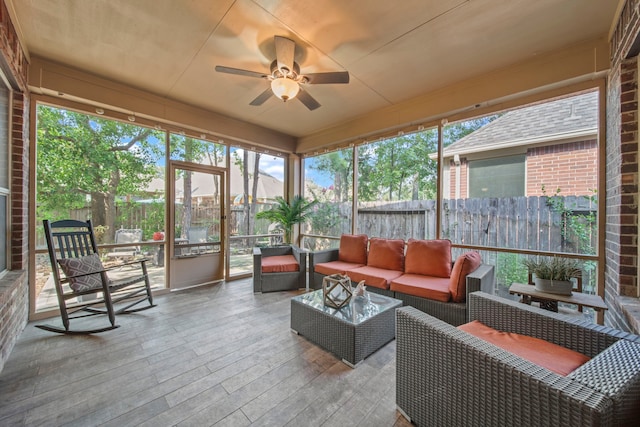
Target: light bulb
284, 88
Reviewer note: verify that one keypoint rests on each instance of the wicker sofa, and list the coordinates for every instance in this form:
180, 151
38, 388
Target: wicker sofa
279, 268
447, 377
420, 273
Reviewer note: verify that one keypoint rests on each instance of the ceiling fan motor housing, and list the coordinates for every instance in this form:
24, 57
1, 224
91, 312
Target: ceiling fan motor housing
292, 74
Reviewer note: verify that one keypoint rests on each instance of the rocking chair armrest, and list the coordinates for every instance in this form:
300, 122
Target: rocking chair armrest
141, 261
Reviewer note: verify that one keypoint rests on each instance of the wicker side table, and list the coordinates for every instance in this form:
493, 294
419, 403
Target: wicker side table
352, 332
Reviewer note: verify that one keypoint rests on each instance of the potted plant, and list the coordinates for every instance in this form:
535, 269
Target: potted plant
288, 214
554, 274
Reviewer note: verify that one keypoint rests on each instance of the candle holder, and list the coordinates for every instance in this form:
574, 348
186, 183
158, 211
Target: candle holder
336, 290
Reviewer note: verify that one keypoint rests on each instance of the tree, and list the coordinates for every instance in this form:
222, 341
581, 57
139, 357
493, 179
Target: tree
398, 168
83, 159
194, 151
287, 215
340, 165
249, 200
455, 131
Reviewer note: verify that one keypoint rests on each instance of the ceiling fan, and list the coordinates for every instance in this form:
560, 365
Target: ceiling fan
286, 80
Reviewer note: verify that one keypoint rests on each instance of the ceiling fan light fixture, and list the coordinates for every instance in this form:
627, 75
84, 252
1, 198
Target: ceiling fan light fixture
284, 88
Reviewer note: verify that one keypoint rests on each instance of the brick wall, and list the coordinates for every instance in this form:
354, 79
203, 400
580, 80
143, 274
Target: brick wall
14, 287
570, 167
621, 234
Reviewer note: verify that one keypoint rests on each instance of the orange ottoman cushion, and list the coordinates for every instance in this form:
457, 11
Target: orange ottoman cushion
554, 357
465, 264
428, 257
280, 264
353, 248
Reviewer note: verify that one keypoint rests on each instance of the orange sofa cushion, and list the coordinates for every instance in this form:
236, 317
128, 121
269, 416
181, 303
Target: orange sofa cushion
434, 288
374, 276
280, 264
386, 253
465, 264
353, 248
335, 267
428, 257
554, 357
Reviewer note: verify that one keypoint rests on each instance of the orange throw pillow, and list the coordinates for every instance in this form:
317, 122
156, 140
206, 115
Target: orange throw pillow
556, 358
386, 253
353, 248
428, 258
465, 264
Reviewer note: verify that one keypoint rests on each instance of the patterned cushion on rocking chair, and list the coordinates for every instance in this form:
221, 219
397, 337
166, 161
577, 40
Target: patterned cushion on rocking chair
83, 265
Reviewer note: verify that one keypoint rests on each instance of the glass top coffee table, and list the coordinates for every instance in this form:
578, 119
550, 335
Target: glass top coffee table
352, 332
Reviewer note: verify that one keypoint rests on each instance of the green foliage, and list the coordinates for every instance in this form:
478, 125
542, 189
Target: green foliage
196, 150
554, 268
153, 219
287, 215
509, 270
339, 164
455, 131
325, 219
398, 168
576, 229
84, 159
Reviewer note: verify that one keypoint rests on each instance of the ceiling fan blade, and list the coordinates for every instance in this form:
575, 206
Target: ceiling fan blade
327, 78
285, 50
308, 100
260, 99
240, 72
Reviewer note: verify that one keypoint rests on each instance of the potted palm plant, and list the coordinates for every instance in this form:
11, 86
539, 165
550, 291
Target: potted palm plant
553, 274
288, 214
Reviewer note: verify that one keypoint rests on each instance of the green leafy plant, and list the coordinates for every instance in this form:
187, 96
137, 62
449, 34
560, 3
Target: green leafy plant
509, 270
562, 269
576, 228
288, 214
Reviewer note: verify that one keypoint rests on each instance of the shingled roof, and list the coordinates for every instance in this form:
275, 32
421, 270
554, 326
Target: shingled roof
555, 121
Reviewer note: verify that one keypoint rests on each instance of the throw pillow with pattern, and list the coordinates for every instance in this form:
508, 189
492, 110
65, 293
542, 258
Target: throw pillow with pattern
82, 265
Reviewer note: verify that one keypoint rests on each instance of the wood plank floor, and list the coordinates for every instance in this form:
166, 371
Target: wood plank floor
215, 355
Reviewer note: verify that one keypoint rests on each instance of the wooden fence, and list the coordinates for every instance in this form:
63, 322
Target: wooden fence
532, 223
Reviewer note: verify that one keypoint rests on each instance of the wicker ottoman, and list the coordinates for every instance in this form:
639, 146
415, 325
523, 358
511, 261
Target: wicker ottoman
353, 332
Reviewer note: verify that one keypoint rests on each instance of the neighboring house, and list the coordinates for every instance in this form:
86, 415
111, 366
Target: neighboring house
552, 144
203, 187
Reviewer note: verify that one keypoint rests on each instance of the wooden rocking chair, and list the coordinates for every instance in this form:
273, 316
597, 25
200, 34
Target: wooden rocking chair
74, 252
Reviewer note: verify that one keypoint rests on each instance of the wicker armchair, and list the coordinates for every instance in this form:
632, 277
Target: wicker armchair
446, 377
279, 281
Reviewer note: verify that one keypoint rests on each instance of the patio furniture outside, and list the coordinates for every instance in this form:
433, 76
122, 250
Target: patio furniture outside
352, 332
126, 236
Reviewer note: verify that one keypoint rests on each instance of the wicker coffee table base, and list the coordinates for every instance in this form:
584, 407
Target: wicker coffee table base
350, 342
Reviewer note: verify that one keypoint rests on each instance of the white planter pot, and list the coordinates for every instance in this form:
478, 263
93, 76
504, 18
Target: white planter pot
553, 286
